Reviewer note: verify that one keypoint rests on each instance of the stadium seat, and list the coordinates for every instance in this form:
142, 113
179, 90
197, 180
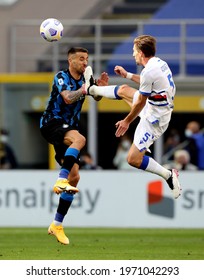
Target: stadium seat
173, 9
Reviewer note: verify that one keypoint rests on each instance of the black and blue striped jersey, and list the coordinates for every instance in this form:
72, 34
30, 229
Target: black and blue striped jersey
57, 108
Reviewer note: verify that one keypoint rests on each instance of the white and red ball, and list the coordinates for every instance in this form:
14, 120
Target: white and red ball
51, 30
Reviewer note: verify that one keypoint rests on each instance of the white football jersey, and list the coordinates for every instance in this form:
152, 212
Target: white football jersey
157, 83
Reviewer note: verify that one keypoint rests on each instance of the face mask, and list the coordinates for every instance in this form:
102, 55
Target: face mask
188, 133
125, 144
4, 139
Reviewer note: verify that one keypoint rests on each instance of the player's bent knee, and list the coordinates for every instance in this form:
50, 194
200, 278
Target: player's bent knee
80, 141
123, 87
83, 140
122, 90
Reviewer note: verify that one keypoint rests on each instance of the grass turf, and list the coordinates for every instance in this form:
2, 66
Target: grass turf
103, 244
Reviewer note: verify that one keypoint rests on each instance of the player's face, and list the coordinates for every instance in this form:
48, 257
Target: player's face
137, 55
78, 62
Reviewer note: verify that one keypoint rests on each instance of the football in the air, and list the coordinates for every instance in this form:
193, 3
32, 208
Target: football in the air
51, 30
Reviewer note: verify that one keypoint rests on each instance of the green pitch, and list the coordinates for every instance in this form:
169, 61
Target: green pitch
102, 244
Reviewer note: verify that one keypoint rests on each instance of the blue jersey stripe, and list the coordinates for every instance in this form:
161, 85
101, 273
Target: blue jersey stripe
57, 108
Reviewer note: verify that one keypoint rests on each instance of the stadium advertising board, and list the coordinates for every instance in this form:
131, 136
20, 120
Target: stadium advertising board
106, 199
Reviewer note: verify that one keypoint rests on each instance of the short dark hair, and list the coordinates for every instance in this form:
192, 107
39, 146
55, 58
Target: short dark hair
74, 50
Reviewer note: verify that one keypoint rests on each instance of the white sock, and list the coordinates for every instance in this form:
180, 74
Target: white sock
106, 91
156, 168
57, 223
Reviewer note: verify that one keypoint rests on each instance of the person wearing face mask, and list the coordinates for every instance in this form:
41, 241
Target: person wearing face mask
195, 146
87, 162
7, 157
120, 158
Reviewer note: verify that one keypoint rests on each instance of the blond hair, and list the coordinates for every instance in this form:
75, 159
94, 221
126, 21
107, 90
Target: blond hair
146, 44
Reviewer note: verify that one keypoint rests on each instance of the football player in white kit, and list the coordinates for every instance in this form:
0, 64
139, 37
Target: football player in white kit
153, 102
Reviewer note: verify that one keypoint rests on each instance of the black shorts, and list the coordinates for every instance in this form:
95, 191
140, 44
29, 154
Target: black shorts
54, 132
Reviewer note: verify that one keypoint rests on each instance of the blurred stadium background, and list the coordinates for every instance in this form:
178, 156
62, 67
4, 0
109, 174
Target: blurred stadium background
107, 29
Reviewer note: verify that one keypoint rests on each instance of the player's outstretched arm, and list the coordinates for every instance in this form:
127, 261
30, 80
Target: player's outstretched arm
72, 96
119, 70
123, 125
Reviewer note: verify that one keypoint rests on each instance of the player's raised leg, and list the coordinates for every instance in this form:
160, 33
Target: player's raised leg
111, 92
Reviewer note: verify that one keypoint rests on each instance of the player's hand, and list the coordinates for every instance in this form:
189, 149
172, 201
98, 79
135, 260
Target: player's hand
103, 79
119, 70
122, 127
83, 90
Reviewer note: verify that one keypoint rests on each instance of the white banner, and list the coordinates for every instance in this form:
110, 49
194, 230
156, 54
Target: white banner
106, 199
99, 270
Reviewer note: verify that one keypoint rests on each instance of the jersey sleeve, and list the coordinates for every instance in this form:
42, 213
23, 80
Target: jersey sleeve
62, 82
145, 83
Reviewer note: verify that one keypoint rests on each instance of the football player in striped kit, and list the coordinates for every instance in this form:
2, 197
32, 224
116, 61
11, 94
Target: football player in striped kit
153, 102
59, 125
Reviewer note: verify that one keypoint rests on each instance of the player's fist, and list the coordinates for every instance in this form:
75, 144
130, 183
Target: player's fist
119, 70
